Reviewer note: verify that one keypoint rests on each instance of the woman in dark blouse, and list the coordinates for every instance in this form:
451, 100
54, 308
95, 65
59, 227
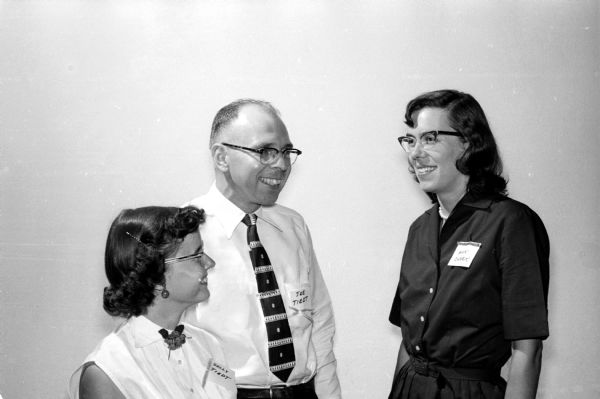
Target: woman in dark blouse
474, 275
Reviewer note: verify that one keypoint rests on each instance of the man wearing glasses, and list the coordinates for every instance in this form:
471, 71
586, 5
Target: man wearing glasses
269, 305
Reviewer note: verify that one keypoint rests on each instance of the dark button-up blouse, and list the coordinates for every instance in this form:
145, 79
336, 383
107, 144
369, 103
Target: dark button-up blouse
467, 316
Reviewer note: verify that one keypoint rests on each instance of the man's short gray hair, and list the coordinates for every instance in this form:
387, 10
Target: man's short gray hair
230, 112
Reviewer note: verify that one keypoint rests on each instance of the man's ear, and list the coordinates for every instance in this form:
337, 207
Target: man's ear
219, 156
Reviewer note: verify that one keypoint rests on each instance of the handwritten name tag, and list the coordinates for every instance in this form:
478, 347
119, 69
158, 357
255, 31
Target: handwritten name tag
300, 298
464, 254
217, 373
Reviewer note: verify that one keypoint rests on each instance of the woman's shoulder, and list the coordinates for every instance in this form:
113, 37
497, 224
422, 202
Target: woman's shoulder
91, 380
511, 212
115, 345
95, 384
511, 206
424, 217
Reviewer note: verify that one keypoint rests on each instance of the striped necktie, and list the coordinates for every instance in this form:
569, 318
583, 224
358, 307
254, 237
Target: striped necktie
281, 346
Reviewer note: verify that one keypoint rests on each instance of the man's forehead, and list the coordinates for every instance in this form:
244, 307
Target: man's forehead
242, 118
254, 113
257, 124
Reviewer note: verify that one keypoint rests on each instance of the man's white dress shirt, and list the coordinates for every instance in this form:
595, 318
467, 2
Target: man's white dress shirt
233, 312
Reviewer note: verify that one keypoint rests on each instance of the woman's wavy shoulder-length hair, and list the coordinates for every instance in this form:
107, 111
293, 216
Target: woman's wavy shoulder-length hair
138, 242
481, 161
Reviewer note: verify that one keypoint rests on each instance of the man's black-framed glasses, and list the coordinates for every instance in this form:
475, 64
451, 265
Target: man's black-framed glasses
427, 139
269, 155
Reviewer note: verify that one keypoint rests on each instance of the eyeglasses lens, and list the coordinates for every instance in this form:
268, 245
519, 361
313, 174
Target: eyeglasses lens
271, 155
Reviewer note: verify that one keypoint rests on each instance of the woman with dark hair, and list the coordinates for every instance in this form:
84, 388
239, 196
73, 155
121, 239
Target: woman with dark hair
474, 276
156, 268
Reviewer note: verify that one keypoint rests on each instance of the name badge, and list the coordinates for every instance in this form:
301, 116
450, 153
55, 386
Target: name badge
217, 373
300, 298
464, 254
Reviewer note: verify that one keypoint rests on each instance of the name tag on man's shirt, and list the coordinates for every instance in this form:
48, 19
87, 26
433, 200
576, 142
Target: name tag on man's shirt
299, 299
464, 254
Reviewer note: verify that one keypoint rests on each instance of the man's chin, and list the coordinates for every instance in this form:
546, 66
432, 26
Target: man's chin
269, 200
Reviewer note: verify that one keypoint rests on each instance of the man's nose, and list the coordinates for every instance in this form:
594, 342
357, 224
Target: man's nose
281, 162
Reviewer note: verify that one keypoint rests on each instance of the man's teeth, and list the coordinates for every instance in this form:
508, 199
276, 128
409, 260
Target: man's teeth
270, 182
203, 280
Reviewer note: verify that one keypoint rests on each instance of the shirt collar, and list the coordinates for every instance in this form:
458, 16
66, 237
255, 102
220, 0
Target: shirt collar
228, 214
266, 213
476, 202
225, 211
144, 331
468, 200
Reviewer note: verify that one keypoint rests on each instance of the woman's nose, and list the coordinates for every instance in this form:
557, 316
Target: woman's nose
417, 151
207, 262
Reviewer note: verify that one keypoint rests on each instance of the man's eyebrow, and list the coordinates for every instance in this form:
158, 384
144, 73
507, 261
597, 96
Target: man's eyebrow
262, 145
273, 145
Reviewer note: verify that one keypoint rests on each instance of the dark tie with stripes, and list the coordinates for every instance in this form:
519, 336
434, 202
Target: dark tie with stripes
281, 346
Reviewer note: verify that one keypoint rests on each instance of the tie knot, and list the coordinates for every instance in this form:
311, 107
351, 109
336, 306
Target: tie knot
249, 219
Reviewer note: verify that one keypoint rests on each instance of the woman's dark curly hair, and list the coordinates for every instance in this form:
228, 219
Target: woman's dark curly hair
138, 242
481, 160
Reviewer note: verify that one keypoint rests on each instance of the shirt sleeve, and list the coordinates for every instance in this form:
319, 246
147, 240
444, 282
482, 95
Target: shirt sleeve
327, 384
395, 316
523, 260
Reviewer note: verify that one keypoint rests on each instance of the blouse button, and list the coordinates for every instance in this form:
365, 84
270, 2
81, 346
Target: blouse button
418, 348
431, 290
422, 319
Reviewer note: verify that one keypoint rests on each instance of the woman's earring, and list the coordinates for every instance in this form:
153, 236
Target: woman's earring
164, 293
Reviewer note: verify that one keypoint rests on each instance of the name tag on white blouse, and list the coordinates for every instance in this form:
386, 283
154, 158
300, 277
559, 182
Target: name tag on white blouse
464, 254
217, 373
299, 299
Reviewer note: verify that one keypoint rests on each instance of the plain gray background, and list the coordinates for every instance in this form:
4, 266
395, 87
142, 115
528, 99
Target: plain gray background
107, 104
